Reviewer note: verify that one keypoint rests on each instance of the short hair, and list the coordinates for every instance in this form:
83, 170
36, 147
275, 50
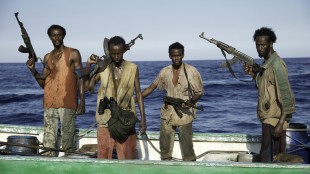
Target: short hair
49, 30
265, 31
116, 40
176, 45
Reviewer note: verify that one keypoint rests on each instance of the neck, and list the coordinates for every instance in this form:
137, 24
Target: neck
58, 47
176, 67
269, 55
118, 64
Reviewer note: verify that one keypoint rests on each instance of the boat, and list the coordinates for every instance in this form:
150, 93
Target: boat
216, 153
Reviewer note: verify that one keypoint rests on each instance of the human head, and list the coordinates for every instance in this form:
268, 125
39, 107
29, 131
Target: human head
265, 31
116, 46
176, 45
49, 30
264, 39
116, 40
176, 54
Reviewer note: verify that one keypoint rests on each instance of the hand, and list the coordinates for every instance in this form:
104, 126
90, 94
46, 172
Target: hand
186, 104
278, 131
248, 69
93, 59
30, 63
142, 127
80, 110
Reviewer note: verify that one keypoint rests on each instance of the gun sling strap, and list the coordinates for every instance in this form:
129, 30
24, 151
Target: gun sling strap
189, 89
231, 70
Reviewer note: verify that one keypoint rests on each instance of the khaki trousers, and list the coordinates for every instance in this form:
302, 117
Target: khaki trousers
166, 141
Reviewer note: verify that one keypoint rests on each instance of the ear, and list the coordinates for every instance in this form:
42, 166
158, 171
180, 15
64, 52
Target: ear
271, 44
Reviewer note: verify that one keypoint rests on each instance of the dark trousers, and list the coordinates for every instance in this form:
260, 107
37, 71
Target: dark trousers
166, 141
271, 146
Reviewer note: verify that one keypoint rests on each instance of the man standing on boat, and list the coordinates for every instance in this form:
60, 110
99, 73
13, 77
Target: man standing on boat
181, 81
119, 80
61, 87
276, 101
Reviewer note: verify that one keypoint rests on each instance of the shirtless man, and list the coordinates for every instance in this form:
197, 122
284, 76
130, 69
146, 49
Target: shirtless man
61, 87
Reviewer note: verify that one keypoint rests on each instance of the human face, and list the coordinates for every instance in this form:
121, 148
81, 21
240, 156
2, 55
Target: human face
116, 53
176, 55
263, 47
57, 37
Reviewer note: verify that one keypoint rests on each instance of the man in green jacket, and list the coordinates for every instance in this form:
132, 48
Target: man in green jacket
276, 101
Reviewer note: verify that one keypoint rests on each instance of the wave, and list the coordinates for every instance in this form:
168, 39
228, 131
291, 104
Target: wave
10, 98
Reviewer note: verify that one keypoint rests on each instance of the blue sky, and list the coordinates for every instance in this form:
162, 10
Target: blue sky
161, 23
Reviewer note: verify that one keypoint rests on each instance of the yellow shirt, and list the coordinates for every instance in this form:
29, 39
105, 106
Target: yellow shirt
164, 82
125, 90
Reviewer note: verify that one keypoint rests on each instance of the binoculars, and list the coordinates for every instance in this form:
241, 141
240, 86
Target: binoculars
106, 103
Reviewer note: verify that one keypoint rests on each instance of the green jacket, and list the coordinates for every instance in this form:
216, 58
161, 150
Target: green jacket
274, 90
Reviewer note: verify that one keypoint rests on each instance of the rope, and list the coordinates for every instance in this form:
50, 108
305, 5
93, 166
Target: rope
87, 131
179, 159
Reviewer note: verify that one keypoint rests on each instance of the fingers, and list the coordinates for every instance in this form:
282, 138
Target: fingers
80, 111
142, 131
248, 70
30, 63
142, 128
186, 104
276, 135
94, 58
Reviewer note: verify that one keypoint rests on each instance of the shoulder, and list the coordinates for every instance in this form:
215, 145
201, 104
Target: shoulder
191, 68
165, 69
47, 55
279, 63
130, 64
74, 54
72, 50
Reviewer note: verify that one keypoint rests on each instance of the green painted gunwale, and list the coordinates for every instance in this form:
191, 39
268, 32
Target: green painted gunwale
69, 165
25, 165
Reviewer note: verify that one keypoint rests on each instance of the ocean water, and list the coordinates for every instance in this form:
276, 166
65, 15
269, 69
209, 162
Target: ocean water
229, 104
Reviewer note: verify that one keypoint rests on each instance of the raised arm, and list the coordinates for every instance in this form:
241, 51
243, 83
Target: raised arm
40, 78
90, 82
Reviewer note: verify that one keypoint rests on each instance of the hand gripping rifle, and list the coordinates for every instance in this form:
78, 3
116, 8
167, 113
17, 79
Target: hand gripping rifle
238, 56
28, 49
177, 104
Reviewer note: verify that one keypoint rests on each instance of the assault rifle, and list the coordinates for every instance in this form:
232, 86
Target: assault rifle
28, 49
238, 56
105, 60
178, 103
